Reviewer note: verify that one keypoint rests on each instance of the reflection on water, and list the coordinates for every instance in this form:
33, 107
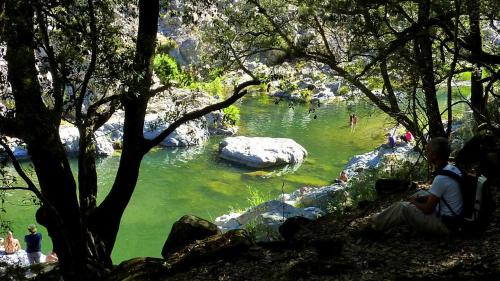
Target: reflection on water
177, 155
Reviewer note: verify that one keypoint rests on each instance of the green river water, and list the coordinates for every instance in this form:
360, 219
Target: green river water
174, 182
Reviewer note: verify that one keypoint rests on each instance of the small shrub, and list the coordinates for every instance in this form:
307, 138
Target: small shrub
117, 144
255, 197
339, 203
166, 68
215, 73
231, 115
306, 94
343, 90
375, 83
287, 86
362, 187
300, 64
165, 45
214, 87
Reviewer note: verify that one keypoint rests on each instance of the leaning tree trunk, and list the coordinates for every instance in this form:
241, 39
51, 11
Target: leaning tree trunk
425, 66
478, 99
105, 220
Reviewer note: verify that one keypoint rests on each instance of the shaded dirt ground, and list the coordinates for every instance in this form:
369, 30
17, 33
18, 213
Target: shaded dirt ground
334, 248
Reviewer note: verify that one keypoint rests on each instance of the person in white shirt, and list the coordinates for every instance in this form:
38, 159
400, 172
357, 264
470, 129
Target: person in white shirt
426, 211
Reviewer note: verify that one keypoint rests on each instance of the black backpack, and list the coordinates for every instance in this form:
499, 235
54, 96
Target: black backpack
478, 203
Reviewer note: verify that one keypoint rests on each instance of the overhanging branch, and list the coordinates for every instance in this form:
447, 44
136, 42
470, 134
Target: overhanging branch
238, 93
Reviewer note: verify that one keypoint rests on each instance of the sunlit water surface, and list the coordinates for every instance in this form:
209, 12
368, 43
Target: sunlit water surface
174, 182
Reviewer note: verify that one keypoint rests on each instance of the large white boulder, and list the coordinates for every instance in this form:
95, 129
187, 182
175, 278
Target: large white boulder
261, 152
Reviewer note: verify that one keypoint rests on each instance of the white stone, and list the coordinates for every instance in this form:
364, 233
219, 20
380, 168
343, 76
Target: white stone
266, 218
261, 152
320, 197
69, 137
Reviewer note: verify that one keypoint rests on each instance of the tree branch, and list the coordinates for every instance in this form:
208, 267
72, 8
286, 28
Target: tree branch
53, 65
238, 93
452, 70
93, 107
92, 64
388, 85
14, 188
31, 186
242, 66
323, 37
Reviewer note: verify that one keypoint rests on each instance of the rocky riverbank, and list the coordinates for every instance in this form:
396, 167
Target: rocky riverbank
311, 202
162, 109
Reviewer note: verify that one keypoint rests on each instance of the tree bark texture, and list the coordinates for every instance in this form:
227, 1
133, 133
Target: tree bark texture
425, 66
59, 211
478, 99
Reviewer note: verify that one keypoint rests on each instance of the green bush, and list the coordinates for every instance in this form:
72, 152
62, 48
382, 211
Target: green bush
256, 197
287, 86
165, 45
231, 115
306, 94
213, 88
166, 68
343, 90
215, 73
375, 83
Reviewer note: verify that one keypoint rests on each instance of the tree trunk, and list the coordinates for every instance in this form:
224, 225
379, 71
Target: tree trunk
87, 175
425, 66
478, 99
59, 211
105, 221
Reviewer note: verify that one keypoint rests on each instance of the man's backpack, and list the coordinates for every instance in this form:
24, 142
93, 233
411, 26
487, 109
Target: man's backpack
478, 203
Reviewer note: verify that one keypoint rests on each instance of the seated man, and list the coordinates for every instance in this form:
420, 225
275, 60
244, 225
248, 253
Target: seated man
430, 213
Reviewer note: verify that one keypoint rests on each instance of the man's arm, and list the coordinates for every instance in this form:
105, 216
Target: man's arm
426, 207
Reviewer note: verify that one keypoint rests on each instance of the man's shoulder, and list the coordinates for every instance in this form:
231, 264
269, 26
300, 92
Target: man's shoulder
453, 169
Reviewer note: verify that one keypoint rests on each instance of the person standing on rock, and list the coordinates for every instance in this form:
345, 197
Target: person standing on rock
33, 244
433, 211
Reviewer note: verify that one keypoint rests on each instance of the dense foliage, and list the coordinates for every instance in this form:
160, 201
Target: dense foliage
165, 68
396, 53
